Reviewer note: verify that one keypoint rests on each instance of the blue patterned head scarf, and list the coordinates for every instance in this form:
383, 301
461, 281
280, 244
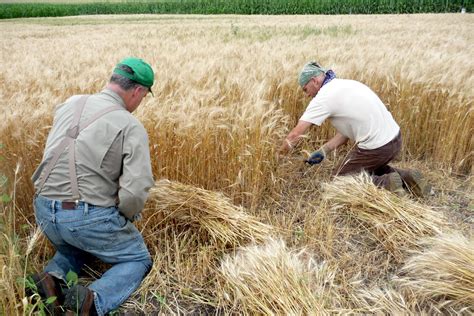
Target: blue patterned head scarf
329, 76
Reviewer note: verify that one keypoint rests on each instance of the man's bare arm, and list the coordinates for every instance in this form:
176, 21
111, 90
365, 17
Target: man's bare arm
335, 142
294, 136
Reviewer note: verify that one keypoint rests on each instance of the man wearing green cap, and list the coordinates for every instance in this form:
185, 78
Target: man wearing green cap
358, 114
91, 185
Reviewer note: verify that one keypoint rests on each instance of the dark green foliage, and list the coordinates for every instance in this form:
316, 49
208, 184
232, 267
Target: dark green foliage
21, 10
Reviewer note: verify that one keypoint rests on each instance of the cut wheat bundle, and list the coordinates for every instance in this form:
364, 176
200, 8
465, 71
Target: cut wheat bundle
210, 213
396, 223
271, 279
442, 273
386, 300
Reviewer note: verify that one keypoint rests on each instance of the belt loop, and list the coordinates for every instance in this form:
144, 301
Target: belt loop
86, 208
53, 211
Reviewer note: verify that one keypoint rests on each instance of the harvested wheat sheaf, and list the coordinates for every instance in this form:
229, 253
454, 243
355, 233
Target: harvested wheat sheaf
397, 223
270, 279
209, 213
437, 279
384, 301
442, 273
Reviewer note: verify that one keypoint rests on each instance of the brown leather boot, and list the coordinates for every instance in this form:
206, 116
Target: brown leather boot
395, 184
49, 286
79, 300
415, 182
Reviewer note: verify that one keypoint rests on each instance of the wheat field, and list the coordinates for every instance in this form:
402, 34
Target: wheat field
233, 229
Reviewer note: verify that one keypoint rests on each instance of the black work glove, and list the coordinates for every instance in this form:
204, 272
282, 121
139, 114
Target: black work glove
316, 157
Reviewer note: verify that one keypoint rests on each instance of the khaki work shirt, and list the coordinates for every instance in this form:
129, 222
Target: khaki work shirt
112, 157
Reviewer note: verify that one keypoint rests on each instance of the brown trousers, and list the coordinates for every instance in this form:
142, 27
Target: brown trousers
374, 161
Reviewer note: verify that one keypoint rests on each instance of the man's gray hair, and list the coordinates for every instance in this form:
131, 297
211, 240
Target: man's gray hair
125, 83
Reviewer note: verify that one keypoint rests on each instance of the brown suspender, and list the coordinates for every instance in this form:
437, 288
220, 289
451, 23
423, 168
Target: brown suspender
69, 142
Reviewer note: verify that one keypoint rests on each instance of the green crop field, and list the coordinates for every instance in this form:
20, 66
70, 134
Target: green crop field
17, 9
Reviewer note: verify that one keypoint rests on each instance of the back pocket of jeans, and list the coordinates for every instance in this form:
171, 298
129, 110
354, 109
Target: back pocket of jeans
94, 235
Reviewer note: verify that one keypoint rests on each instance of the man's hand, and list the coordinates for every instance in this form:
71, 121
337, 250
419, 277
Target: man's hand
316, 157
293, 137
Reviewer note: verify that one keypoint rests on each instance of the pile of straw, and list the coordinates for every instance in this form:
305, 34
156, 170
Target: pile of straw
210, 214
270, 279
442, 273
396, 223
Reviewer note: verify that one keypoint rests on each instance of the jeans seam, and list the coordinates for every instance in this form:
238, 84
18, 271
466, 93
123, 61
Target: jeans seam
129, 292
97, 305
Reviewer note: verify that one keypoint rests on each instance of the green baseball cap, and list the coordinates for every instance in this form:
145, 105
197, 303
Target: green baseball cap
310, 70
142, 72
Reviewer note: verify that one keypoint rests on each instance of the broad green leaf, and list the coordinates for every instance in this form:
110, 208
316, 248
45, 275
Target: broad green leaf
29, 283
71, 278
50, 299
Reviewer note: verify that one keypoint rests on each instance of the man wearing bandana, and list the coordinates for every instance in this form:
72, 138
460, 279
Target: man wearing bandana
358, 114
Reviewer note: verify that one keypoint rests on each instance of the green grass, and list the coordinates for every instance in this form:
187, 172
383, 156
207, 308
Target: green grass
265, 33
78, 7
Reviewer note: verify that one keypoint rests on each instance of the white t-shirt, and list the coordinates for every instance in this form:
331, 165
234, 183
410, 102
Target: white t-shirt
355, 111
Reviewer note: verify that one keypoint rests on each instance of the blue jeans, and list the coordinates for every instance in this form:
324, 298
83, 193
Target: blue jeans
101, 232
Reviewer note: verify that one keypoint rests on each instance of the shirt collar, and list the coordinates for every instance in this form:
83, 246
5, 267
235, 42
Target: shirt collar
112, 94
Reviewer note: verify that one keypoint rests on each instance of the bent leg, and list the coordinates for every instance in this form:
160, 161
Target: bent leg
374, 161
114, 240
67, 257
66, 260
118, 283
391, 182
415, 182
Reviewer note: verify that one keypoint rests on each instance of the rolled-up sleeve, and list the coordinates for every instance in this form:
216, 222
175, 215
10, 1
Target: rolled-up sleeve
137, 177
